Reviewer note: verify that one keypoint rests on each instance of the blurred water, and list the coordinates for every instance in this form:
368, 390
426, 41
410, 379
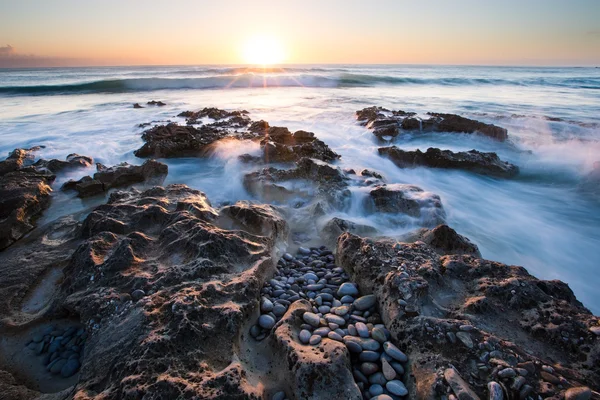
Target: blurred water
538, 220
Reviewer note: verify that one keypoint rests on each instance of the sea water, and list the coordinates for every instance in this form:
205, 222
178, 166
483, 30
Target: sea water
539, 219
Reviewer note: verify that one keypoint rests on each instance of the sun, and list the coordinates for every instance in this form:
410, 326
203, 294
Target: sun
263, 50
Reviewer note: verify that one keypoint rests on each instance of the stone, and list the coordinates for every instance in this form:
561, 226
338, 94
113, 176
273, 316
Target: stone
388, 371
370, 344
266, 305
311, 319
394, 352
578, 393
353, 347
461, 389
369, 368
347, 289
335, 319
368, 355
278, 396
315, 339
472, 161
378, 334
362, 329
375, 389
507, 373
304, 336
465, 338
495, 391
279, 310
335, 336
266, 321
70, 368
365, 302
58, 365
396, 387
137, 294
382, 397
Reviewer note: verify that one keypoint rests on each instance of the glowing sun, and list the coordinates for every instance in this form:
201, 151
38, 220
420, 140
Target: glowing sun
263, 50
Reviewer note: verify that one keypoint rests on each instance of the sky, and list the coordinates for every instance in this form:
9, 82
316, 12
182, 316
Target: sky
178, 32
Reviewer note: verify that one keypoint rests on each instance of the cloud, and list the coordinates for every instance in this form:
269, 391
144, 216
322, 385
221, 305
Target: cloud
7, 51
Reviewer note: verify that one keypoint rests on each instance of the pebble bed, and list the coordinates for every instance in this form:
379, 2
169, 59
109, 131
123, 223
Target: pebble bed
62, 349
338, 313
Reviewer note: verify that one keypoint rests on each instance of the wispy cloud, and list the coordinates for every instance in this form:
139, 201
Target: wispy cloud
7, 51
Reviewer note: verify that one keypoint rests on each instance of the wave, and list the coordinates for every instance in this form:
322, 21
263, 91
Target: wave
254, 78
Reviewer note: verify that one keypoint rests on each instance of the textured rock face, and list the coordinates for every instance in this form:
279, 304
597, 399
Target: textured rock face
72, 161
152, 172
336, 226
407, 199
473, 160
330, 182
491, 322
446, 240
172, 140
196, 286
280, 145
389, 123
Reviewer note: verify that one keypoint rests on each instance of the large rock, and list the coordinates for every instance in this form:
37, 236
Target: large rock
387, 123
461, 316
172, 140
72, 161
201, 282
336, 226
124, 174
473, 160
407, 199
446, 240
280, 145
237, 119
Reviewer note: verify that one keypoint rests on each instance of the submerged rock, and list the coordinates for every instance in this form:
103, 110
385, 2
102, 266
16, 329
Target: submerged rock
473, 160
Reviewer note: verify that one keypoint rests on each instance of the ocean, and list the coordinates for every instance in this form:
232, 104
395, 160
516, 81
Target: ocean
540, 219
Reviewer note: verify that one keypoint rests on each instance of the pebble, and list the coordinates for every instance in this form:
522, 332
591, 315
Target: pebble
378, 334
465, 338
335, 336
507, 373
266, 321
495, 390
323, 331
335, 319
365, 302
376, 390
279, 396
347, 289
266, 305
368, 355
370, 344
57, 365
137, 294
279, 310
394, 352
396, 387
382, 397
362, 329
311, 319
378, 378
578, 393
304, 336
388, 371
353, 347
314, 339
369, 368
70, 368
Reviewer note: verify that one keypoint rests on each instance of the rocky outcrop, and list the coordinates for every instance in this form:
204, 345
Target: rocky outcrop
152, 172
472, 327
336, 226
156, 283
446, 240
173, 140
386, 123
473, 160
25, 190
280, 145
406, 199
233, 118
331, 182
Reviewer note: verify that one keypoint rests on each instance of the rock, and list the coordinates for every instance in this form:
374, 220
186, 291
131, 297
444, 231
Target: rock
137, 294
507, 373
266, 321
394, 352
473, 160
137, 105
381, 397
362, 329
495, 391
336, 226
379, 334
461, 389
578, 393
369, 368
311, 319
370, 114
465, 338
55, 166
375, 389
120, 175
315, 339
397, 387
388, 371
70, 368
365, 302
446, 240
304, 336
24, 195
156, 103
280, 145
57, 366
347, 288
407, 199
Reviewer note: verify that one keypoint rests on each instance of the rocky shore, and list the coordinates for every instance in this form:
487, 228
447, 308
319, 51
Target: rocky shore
160, 294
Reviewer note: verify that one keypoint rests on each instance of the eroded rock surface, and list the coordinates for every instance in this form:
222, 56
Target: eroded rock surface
25, 190
151, 172
386, 123
492, 323
473, 160
280, 145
